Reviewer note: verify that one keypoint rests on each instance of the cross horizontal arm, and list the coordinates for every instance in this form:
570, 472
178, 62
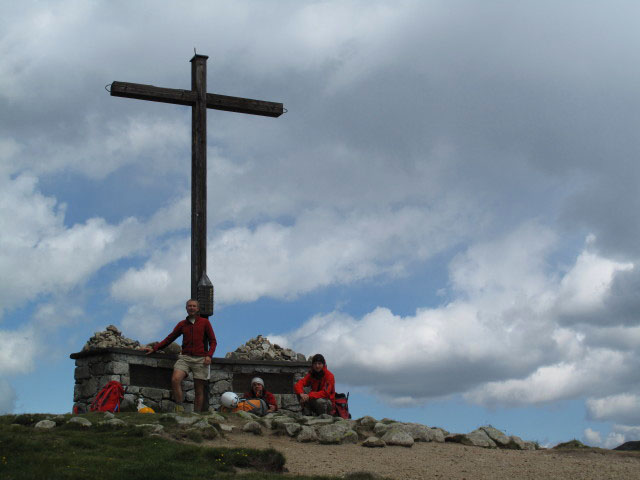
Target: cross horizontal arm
188, 97
154, 94
244, 105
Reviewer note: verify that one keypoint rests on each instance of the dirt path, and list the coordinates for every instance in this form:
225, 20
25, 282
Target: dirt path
444, 460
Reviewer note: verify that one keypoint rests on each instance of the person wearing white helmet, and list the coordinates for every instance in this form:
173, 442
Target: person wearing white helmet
259, 392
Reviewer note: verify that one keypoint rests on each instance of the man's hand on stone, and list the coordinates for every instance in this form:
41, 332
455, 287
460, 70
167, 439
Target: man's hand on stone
304, 398
207, 360
148, 350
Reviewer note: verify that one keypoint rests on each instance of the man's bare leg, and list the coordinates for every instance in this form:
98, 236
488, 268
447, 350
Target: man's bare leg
176, 385
199, 400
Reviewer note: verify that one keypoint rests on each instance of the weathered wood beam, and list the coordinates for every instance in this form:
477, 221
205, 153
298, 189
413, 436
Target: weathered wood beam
198, 171
188, 97
154, 94
244, 105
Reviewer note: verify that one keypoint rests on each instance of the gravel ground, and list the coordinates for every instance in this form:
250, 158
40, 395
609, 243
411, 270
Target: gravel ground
444, 460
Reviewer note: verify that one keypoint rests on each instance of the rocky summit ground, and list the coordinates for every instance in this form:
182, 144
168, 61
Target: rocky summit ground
433, 460
445, 460
330, 446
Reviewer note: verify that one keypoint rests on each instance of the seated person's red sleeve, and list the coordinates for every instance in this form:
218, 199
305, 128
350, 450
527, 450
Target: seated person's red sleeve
271, 400
300, 384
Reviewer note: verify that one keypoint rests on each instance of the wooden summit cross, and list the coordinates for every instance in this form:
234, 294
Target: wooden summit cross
199, 100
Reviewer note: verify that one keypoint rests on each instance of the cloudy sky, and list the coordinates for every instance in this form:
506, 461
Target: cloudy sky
448, 210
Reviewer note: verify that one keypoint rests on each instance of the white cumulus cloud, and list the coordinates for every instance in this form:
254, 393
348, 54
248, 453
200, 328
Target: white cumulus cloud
7, 397
499, 342
622, 408
321, 248
17, 351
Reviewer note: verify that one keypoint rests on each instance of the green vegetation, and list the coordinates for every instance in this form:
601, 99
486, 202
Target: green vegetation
571, 444
70, 451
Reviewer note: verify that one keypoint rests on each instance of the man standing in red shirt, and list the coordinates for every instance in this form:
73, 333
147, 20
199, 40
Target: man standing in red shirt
321, 386
198, 344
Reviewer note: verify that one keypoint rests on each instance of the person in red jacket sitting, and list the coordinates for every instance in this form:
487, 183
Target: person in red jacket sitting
320, 394
259, 392
198, 344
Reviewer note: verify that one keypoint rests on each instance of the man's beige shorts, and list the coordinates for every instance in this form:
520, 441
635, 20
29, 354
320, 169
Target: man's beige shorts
189, 363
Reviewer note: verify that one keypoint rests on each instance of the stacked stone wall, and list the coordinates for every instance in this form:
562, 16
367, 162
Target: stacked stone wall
96, 367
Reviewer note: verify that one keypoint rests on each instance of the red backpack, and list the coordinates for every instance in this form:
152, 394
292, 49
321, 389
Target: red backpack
342, 406
108, 399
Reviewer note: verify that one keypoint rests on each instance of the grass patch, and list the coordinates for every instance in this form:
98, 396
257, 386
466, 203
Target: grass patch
571, 444
74, 452
268, 460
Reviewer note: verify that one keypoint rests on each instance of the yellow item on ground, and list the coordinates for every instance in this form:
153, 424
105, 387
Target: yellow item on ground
142, 408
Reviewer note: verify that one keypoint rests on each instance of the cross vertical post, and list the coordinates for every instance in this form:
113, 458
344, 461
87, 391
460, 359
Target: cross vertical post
198, 171
199, 100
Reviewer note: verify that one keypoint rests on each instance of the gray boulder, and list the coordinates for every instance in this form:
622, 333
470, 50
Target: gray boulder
152, 427
319, 421
381, 428
279, 422
246, 415
397, 436
373, 442
252, 427
184, 421
350, 437
202, 424
351, 424
368, 422
45, 424
114, 423
336, 433
477, 438
420, 433
292, 429
225, 428
516, 443
439, 434
500, 439
214, 417
83, 422
307, 434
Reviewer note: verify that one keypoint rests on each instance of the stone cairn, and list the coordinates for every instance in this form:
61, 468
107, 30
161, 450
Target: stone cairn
111, 337
260, 348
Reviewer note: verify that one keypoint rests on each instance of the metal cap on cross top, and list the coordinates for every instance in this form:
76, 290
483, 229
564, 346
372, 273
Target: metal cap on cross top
205, 296
199, 100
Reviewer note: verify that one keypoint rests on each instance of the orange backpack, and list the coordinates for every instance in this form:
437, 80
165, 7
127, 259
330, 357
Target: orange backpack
256, 406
